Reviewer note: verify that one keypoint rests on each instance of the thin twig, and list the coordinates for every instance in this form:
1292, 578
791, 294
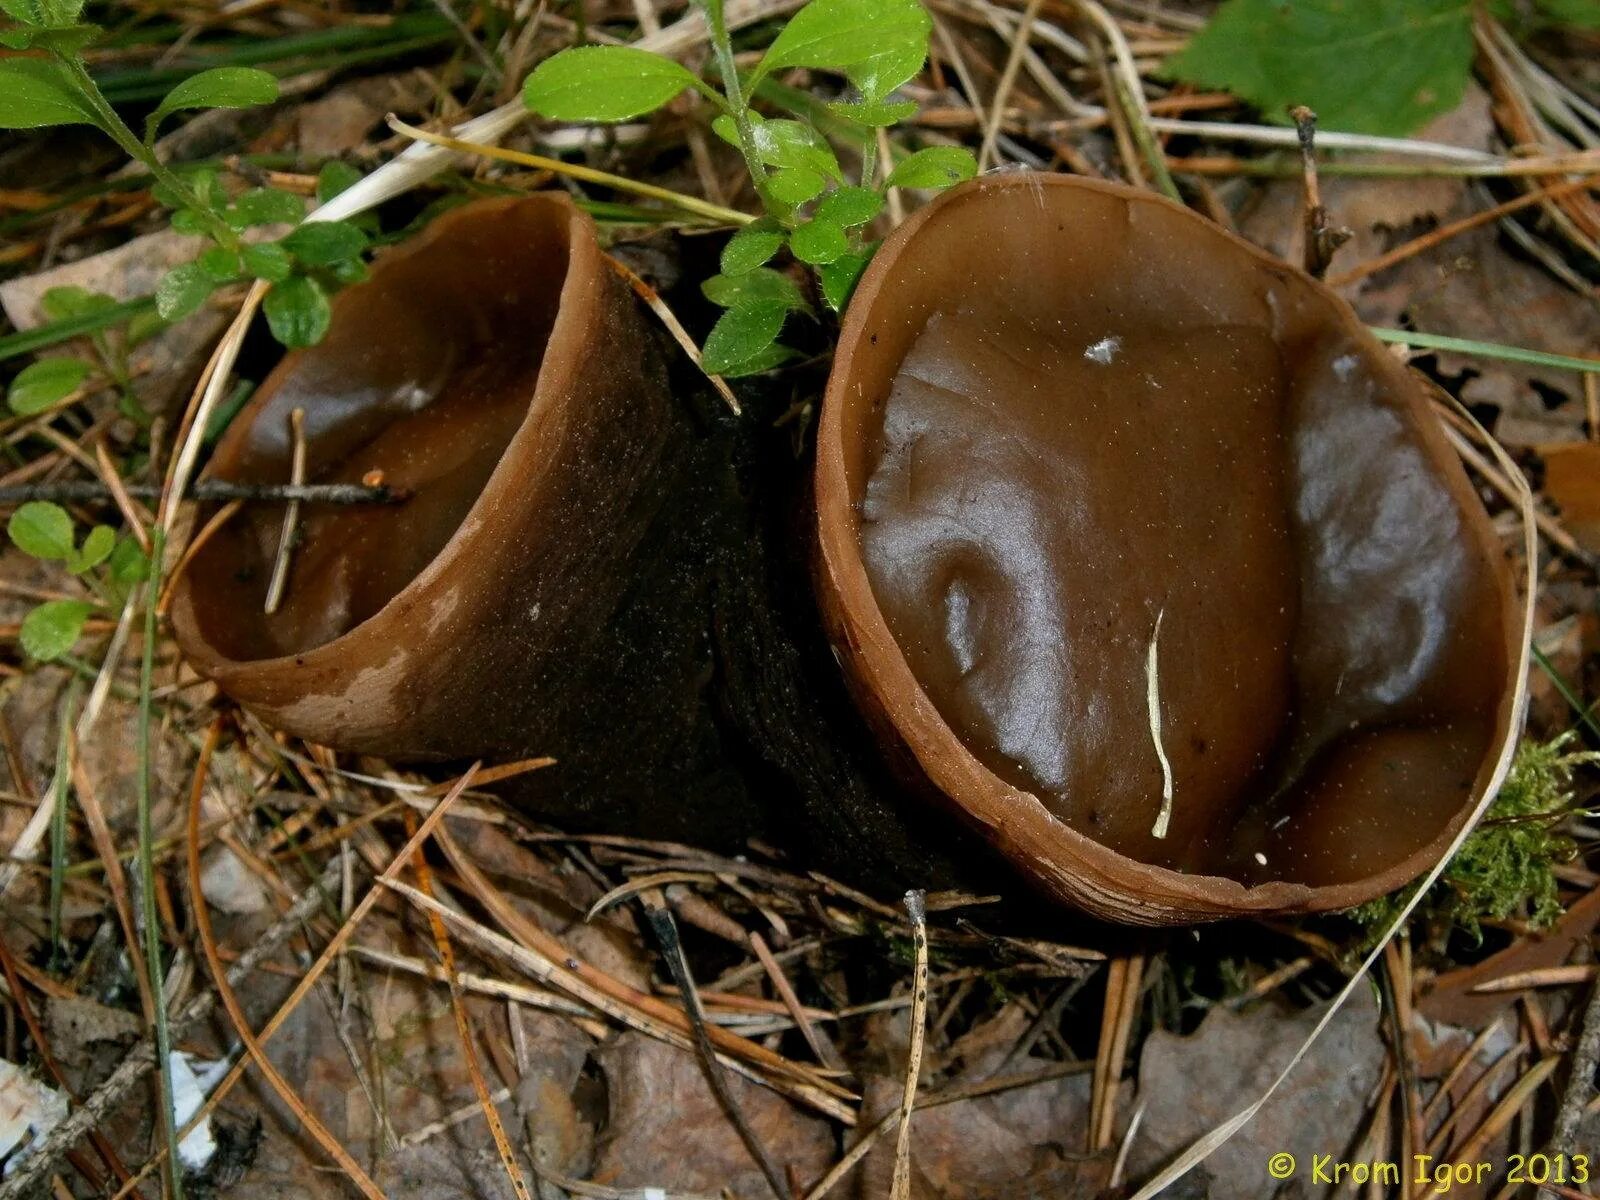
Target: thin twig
1322, 239
666, 931
291, 512
1008, 79
916, 909
692, 204
675, 327
87, 491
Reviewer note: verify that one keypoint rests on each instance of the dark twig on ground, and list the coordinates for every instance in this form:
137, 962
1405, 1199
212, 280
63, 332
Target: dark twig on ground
84, 491
42, 1162
666, 932
1322, 239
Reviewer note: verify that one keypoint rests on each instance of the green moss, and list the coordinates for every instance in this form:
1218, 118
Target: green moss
1504, 870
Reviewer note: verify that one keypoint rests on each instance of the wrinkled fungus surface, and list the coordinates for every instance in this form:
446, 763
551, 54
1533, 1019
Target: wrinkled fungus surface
1063, 413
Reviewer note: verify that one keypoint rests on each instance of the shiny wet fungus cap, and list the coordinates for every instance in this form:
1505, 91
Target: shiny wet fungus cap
1068, 422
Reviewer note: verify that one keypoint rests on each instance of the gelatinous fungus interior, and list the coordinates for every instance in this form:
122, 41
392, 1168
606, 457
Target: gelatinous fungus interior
1077, 416
429, 395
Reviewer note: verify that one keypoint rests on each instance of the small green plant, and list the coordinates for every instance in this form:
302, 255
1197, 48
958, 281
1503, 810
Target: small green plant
810, 206
42, 385
109, 567
56, 88
1504, 869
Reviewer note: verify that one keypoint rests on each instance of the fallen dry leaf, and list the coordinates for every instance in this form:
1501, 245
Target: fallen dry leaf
1190, 1085
666, 1129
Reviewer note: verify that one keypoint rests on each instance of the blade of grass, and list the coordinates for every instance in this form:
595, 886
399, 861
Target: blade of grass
147, 880
1438, 341
37, 338
60, 795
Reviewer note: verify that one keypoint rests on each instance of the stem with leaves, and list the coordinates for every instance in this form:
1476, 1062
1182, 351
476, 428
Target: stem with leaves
876, 45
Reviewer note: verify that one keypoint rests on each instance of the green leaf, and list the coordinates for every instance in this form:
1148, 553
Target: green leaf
268, 260
324, 243
935, 167
68, 39
750, 247
220, 87
760, 286
182, 290
1366, 66
849, 206
795, 186
220, 263
42, 529
334, 178
43, 14
128, 564
201, 178
53, 628
143, 326
97, 546
878, 116
266, 206
818, 241
36, 92
297, 311
42, 384
68, 301
876, 44
603, 83
772, 356
793, 144
740, 334
839, 277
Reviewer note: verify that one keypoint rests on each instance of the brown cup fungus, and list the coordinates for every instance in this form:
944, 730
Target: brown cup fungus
1151, 561
495, 371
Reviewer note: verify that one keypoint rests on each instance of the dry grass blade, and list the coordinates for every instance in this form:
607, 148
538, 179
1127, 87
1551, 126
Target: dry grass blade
1123, 980
291, 513
469, 1049
556, 963
230, 1002
672, 1027
1510, 1104
916, 910
675, 327
1008, 79
105, 846
818, 1041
